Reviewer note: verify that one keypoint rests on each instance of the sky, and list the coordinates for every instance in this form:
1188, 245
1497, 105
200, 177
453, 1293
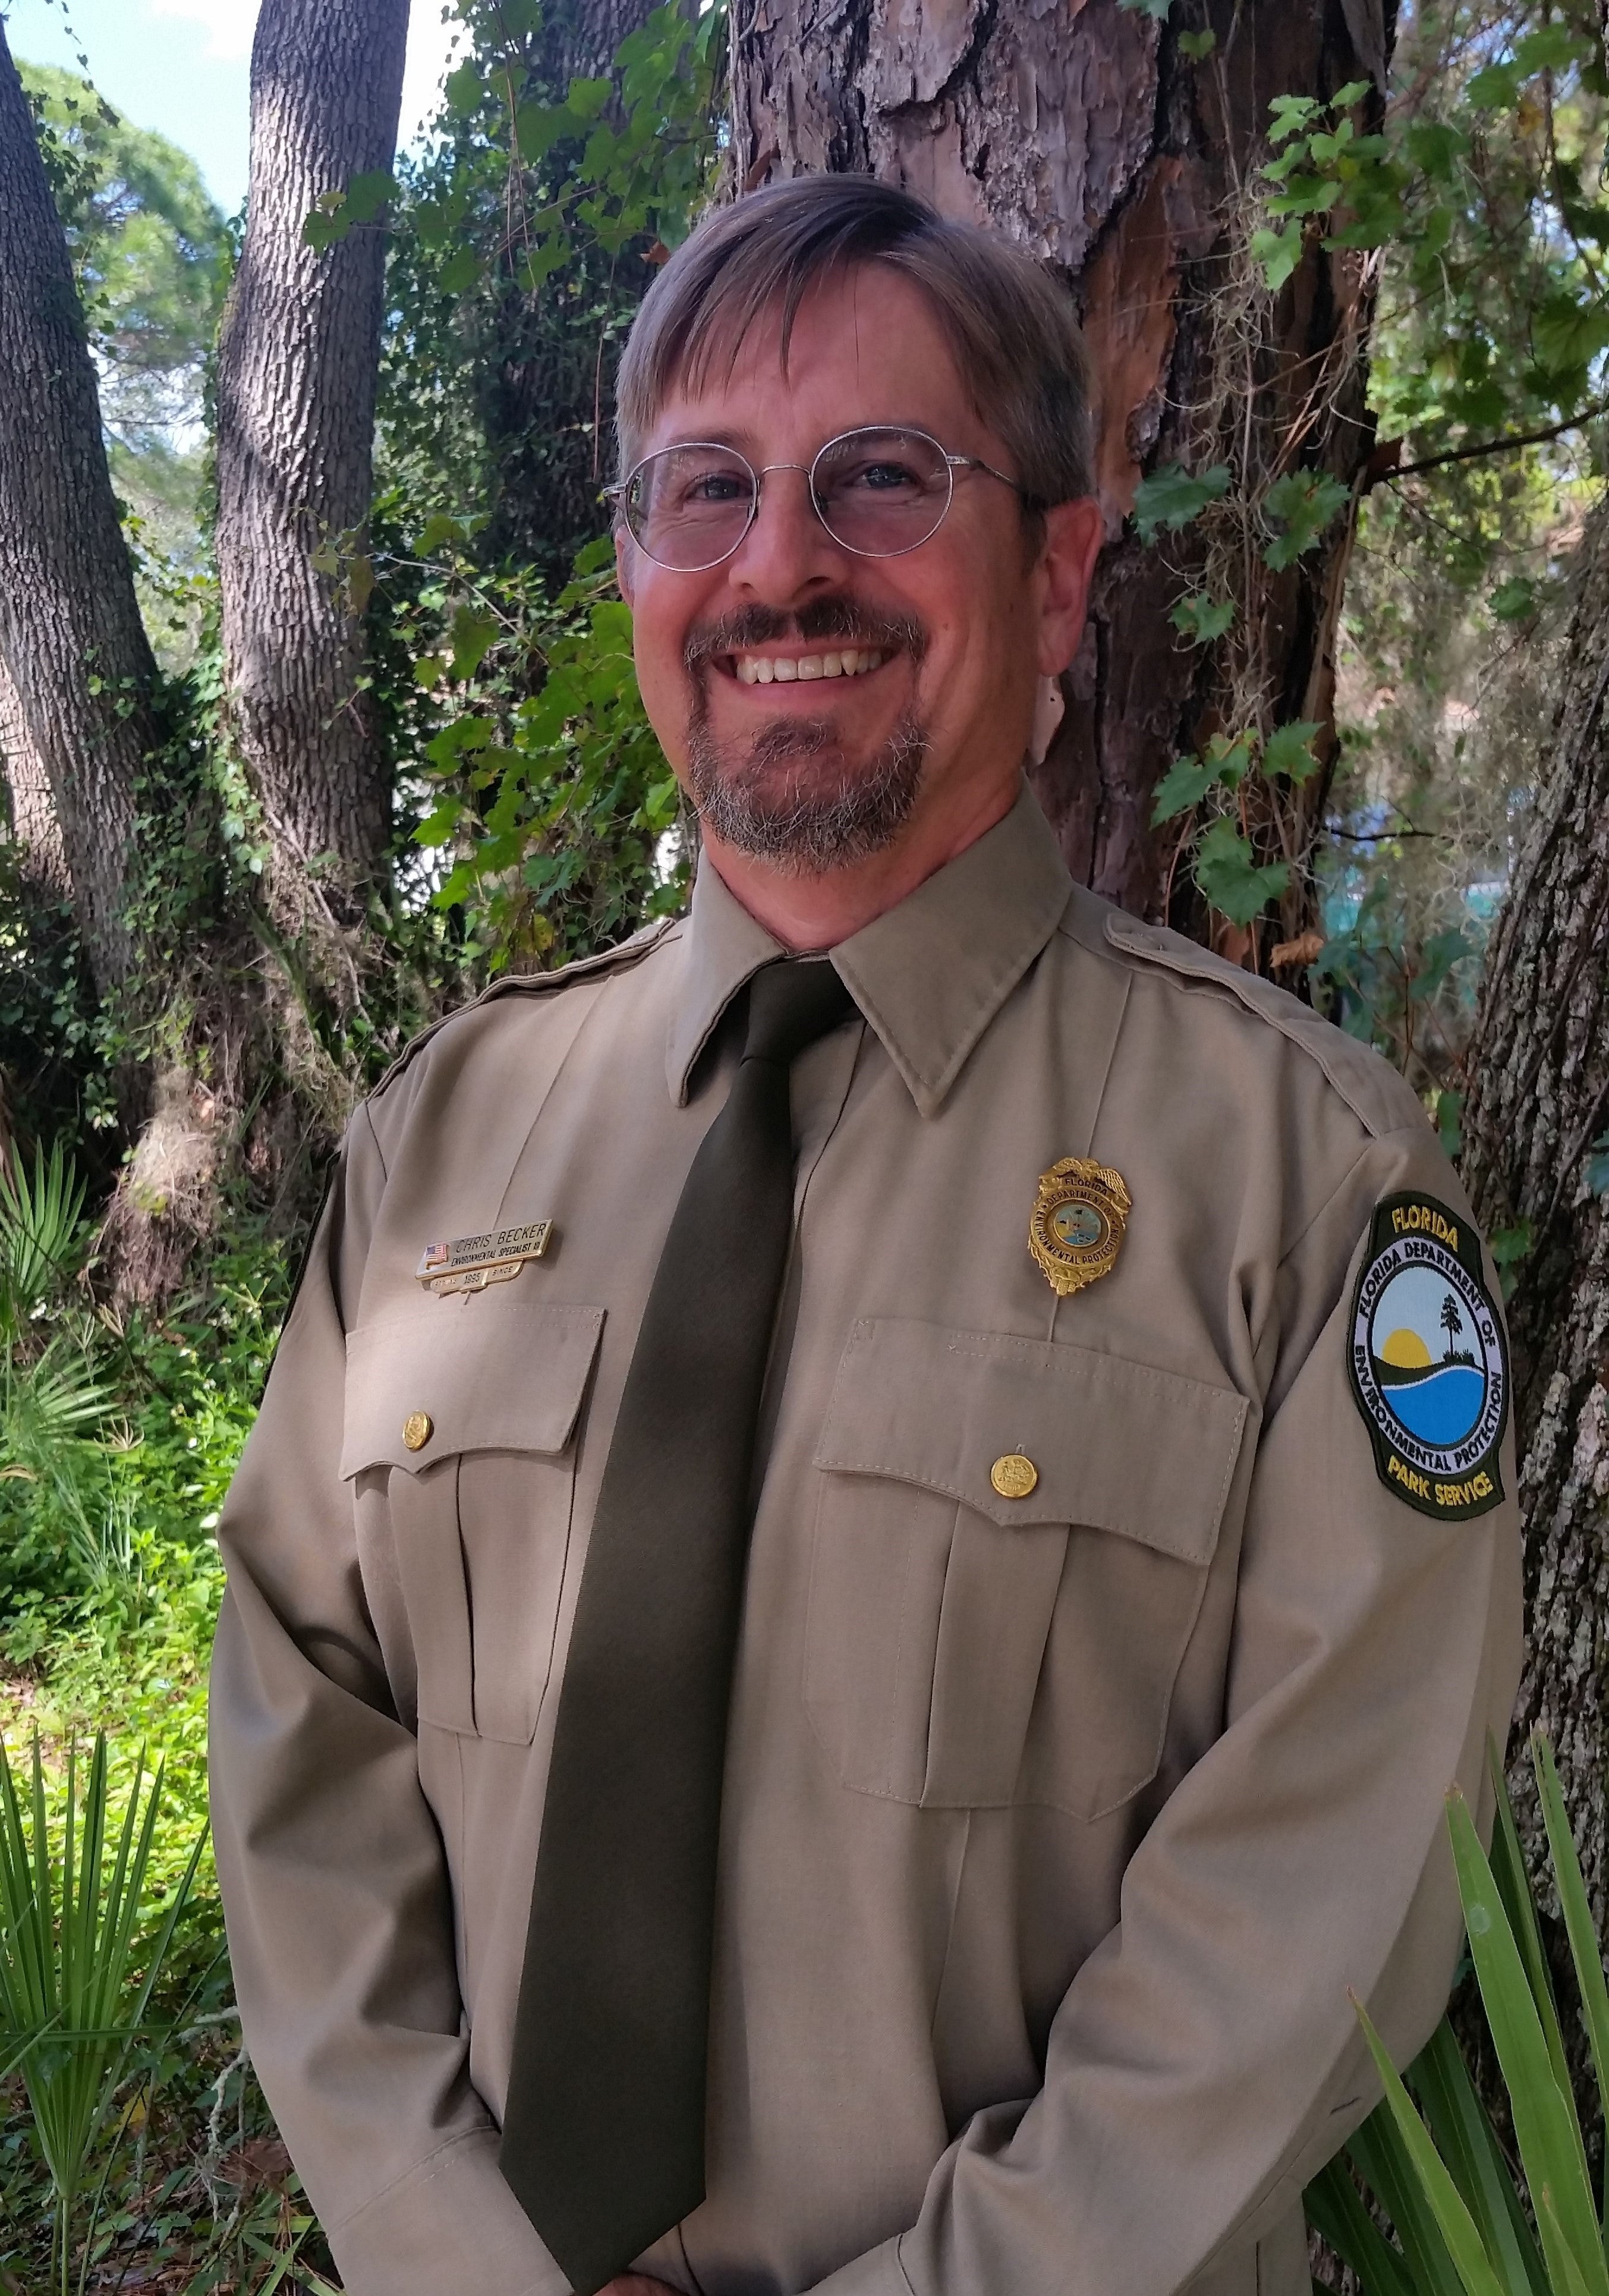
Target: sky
182, 68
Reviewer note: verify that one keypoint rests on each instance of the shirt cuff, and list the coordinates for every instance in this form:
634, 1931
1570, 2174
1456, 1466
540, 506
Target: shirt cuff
451, 2222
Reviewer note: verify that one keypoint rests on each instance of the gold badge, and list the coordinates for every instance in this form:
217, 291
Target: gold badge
1076, 1227
474, 1261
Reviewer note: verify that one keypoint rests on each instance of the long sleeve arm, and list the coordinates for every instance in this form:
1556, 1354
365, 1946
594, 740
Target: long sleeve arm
1206, 2059
334, 1877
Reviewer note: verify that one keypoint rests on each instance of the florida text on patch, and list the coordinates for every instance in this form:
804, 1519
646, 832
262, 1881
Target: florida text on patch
1427, 1359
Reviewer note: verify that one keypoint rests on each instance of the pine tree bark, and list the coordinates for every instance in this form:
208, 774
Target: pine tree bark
1539, 1099
71, 641
1088, 135
297, 363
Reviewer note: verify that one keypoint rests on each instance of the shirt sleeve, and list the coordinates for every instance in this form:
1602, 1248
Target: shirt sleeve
332, 1869
1207, 2060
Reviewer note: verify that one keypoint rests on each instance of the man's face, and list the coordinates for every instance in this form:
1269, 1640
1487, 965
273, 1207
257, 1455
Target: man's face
818, 704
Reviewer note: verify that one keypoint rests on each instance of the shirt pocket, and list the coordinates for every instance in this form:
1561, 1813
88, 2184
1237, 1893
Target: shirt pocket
460, 1425
965, 1649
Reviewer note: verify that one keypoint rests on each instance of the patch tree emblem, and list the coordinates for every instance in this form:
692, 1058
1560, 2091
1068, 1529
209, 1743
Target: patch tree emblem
1427, 1360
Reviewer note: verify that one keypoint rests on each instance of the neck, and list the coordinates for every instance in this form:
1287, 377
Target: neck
818, 912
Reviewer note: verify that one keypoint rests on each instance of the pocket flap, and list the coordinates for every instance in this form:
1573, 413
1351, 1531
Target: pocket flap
1116, 1445
465, 1376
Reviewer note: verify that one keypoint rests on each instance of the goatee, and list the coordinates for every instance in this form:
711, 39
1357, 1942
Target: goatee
790, 795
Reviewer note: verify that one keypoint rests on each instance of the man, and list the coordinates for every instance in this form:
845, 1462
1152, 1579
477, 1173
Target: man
862, 1576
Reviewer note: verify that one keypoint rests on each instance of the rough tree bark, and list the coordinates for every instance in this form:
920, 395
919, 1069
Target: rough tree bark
32, 825
1085, 133
71, 640
1539, 1097
297, 360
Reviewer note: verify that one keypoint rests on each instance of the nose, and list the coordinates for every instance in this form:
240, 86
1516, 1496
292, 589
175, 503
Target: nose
786, 556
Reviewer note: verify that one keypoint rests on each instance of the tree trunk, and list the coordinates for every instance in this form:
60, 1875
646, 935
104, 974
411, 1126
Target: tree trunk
71, 640
297, 360
1540, 1098
31, 824
1088, 135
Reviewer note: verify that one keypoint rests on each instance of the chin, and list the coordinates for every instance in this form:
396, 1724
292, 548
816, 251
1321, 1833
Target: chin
792, 795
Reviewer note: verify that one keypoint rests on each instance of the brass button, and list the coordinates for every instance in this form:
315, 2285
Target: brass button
1014, 1477
419, 1427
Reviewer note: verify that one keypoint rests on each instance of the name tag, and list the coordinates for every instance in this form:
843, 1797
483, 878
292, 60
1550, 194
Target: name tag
471, 1262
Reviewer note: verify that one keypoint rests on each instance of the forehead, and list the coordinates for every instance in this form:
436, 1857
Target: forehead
865, 347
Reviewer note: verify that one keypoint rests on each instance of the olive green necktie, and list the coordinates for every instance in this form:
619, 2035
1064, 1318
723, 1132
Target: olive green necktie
603, 2132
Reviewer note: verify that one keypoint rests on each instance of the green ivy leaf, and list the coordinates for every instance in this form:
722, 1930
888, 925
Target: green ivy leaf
460, 270
436, 529
1171, 497
1289, 749
1354, 92
1566, 335
1495, 88
1197, 44
1279, 252
1513, 600
1202, 618
1227, 872
367, 194
473, 637
1551, 47
1184, 784
1301, 504
1187, 780
587, 97
463, 89
1290, 115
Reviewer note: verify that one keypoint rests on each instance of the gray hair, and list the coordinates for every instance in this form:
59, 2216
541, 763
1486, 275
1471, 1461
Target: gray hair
1009, 323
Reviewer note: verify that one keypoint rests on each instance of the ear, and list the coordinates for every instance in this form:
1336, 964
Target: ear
1075, 532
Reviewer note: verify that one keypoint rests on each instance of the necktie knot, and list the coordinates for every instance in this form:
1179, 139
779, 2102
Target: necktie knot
791, 1003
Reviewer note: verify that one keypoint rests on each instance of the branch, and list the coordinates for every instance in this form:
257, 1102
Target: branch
1506, 446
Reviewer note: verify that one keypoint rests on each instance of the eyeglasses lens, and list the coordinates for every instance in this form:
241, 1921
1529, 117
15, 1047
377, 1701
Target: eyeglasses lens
878, 492
881, 492
689, 506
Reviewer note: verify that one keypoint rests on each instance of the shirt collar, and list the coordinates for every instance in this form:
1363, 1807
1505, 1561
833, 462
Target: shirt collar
929, 975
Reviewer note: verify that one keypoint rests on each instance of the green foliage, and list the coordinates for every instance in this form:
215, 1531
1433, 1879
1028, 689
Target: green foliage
1429, 2153
1300, 507
1170, 498
1230, 875
81, 1949
1201, 619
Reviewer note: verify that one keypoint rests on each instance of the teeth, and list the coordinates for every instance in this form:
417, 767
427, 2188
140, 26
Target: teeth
760, 669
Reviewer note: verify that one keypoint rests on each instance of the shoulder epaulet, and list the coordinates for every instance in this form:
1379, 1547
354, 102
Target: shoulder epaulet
536, 984
1375, 1093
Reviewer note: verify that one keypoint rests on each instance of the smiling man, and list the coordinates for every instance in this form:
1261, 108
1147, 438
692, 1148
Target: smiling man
867, 1558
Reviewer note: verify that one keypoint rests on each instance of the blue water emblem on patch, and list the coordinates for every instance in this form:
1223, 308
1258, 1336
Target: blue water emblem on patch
1428, 1360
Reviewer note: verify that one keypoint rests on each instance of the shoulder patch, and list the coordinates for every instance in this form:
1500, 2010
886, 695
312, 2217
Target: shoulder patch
1427, 1360
1370, 1087
536, 984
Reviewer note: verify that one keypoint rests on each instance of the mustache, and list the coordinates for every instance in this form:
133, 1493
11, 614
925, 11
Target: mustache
825, 620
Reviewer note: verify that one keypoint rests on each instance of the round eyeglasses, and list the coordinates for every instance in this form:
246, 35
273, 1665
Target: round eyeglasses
879, 492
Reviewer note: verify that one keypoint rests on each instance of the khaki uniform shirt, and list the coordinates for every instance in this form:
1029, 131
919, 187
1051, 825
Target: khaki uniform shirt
1056, 1829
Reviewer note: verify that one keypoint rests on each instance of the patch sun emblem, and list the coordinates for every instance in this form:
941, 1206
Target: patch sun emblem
1427, 1360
